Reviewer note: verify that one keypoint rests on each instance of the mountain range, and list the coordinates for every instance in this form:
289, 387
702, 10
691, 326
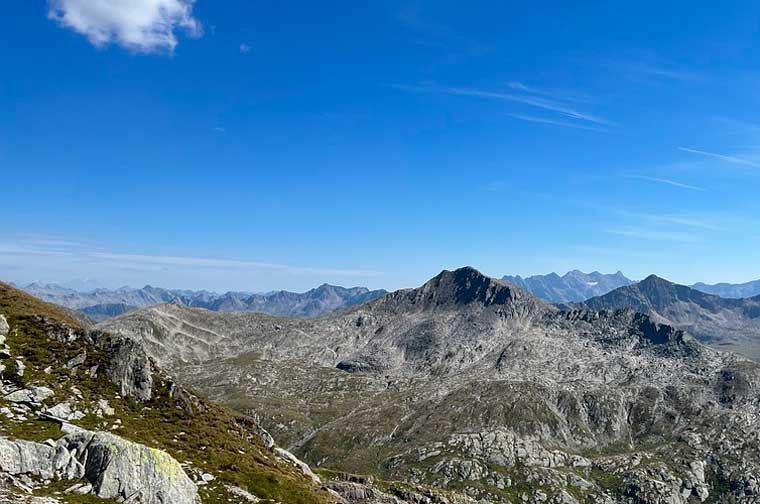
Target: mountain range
576, 286
727, 290
100, 304
573, 286
476, 387
726, 324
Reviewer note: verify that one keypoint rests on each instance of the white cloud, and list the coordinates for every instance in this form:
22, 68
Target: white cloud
138, 25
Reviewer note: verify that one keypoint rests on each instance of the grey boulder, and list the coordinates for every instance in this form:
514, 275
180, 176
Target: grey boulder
120, 469
31, 395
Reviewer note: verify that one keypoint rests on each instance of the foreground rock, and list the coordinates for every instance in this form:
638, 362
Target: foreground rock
117, 468
114, 467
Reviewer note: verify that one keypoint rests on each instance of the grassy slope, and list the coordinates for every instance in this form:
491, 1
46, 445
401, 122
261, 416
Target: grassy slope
211, 438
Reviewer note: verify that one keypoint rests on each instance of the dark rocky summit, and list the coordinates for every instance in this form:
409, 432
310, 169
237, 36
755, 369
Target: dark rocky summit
473, 386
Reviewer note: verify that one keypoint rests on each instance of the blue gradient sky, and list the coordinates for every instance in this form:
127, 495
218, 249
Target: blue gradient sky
281, 145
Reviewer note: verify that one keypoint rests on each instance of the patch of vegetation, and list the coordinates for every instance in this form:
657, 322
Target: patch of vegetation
30, 430
608, 480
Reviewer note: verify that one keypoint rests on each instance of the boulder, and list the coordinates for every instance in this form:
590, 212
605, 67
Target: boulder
31, 395
64, 411
77, 361
120, 469
113, 467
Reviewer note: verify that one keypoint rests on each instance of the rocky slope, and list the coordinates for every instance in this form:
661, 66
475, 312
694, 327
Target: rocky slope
86, 416
472, 385
101, 304
573, 286
727, 324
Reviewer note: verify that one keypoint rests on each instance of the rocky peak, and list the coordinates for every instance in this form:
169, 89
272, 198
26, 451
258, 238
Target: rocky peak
661, 293
464, 287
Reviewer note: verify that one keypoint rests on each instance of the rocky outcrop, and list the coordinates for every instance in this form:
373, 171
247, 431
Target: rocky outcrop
118, 468
99, 380
47, 461
114, 467
129, 367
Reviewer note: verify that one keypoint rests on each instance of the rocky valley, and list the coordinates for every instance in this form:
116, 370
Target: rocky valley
89, 417
473, 386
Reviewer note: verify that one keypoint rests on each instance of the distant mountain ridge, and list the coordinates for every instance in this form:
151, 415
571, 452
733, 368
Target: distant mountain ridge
572, 287
724, 323
727, 290
101, 304
576, 286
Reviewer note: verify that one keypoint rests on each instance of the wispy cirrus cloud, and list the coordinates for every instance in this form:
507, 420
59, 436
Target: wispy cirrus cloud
710, 222
537, 102
553, 94
143, 26
53, 258
649, 67
672, 183
555, 122
722, 157
654, 235
661, 71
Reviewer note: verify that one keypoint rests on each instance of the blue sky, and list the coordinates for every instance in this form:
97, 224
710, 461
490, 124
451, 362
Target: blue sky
259, 145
